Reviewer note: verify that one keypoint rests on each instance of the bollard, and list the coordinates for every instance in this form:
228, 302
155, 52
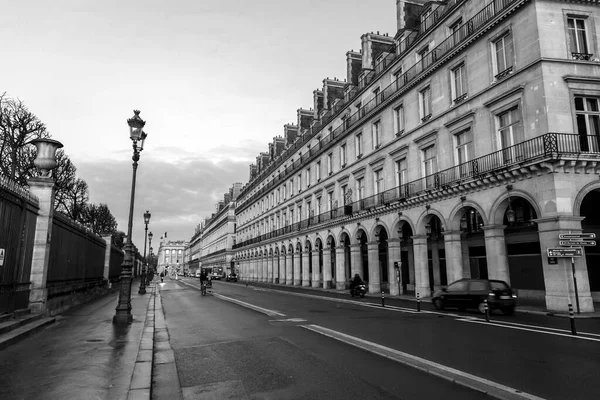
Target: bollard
572, 318
418, 302
487, 310
382, 299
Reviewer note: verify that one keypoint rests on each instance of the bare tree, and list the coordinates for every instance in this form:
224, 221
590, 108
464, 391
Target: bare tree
18, 125
99, 219
73, 200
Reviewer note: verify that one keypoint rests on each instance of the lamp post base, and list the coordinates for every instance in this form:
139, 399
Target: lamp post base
122, 319
123, 310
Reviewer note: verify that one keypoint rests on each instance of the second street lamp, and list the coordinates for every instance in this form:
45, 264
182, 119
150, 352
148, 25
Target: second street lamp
142, 289
123, 310
150, 273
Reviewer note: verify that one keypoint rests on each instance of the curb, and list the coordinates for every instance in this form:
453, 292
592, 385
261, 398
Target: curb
25, 331
141, 378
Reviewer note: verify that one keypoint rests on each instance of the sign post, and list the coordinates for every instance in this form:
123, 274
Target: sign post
576, 239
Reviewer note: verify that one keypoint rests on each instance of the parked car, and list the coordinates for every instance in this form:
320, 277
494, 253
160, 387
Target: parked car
215, 276
471, 293
231, 278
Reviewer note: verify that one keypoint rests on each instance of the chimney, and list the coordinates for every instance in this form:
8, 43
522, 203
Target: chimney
305, 118
253, 171
318, 103
290, 132
408, 13
279, 143
373, 44
353, 66
235, 191
332, 90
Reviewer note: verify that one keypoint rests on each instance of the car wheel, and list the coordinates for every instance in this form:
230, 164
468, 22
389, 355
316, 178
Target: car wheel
508, 311
438, 304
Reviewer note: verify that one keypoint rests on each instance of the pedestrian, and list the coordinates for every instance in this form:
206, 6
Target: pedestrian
162, 275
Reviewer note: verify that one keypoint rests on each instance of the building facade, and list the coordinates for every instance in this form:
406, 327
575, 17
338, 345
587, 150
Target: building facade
170, 257
461, 147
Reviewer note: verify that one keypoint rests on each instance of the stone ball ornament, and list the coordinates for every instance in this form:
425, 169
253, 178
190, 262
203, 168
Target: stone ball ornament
45, 158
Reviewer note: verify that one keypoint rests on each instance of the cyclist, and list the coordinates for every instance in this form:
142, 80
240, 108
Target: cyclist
203, 280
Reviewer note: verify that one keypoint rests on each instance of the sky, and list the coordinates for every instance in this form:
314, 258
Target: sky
215, 82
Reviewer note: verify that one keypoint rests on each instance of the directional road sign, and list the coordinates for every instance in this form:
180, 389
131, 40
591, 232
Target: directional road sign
565, 252
577, 242
577, 236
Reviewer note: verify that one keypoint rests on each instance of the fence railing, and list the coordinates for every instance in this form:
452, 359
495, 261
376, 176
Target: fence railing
548, 146
465, 31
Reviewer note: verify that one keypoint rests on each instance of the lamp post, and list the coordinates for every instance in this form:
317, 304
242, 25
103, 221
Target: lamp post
151, 265
142, 289
123, 310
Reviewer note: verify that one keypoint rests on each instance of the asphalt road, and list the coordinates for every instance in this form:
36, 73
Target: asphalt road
223, 350
275, 357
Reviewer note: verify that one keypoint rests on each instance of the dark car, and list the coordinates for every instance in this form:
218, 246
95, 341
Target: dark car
471, 293
231, 278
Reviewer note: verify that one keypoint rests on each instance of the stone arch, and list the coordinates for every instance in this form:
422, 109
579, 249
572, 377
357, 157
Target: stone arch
299, 246
379, 225
290, 249
425, 217
457, 213
276, 251
343, 232
400, 222
270, 252
587, 189
360, 230
498, 209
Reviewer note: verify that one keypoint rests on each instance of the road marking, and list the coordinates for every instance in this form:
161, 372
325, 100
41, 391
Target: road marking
539, 327
266, 311
288, 320
488, 387
538, 330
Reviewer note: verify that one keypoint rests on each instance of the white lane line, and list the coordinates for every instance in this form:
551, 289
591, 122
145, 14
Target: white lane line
541, 327
473, 321
491, 388
266, 311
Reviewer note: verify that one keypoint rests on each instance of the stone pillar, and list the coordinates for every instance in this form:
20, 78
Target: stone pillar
275, 268
289, 269
374, 273
327, 284
270, 268
43, 188
411, 268
356, 266
421, 266
108, 239
265, 269
454, 255
394, 274
558, 278
297, 268
282, 269
466, 264
316, 278
435, 261
495, 251
253, 269
305, 271
340, 268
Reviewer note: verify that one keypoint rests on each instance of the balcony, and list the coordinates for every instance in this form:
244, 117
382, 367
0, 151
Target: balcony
532, 154
581, 56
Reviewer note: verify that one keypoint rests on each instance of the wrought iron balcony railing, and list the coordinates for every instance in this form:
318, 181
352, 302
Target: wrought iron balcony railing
546, 147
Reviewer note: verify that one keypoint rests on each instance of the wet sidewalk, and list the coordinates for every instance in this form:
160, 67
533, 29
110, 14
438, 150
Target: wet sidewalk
83, 355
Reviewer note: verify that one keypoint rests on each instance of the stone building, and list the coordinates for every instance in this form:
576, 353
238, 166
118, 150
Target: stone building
460, 147
170, 257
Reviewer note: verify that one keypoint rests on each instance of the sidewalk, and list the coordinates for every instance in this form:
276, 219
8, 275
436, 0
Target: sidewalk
84, 356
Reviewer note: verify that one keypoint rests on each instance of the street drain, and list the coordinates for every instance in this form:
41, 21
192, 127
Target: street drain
94, 340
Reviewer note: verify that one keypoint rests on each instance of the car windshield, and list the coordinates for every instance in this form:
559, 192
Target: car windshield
497, 285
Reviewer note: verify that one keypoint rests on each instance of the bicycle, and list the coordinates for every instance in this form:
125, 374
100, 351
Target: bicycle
203, 288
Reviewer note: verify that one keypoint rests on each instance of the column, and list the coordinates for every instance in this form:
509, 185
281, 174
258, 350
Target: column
289, 269
340, 268
394, 274
374, 273
411, 284
316, 278
327, 284
275, 268
254, 269
305, 272
265, 273
558, 278
421, 266
282, 268
43, 188
495, 252
270, 268
297, 260
454, 255
435, 263
356, 266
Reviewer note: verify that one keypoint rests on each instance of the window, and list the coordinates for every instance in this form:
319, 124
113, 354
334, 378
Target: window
318, 171
343, 189
284, 190
318, 205
376, 92
359, 150
399, 120
299, 182
343, 155
330, 200
378, 178
459, 84
460, 286
578, 38
376, 131
299, 213
329, 163
503, 56
425, 103
464, 151
291, 187
278, 197
360, 188
401, 167
308, 177
397, 76
429, 165
308, 211
509, 133
421, 54
587, 110
285, 221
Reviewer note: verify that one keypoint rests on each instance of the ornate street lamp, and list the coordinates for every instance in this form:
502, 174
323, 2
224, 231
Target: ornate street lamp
150, 275
123, 310
510, 214
142, 289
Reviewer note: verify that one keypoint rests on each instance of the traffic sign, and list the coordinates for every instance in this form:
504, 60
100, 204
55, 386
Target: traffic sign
564, 252
1, 257
576, 236
577, 242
